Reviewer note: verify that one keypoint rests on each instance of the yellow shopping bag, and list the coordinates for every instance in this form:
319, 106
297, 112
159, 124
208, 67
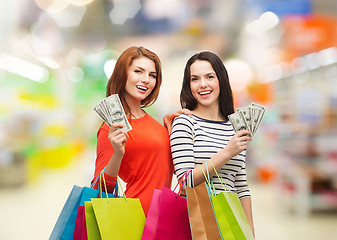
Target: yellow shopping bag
119, 218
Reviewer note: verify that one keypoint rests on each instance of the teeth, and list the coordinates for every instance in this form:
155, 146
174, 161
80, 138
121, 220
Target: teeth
204, 93
142, 88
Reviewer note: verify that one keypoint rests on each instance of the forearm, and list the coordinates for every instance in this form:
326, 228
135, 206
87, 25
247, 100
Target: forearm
218, 160
247, 207
112, 168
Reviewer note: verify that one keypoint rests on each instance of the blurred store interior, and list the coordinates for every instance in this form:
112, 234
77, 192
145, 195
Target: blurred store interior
55, 60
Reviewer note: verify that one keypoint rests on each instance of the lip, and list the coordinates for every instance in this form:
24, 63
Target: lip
142, 88
205, 93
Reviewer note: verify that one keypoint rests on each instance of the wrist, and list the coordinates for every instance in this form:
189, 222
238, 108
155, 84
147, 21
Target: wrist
225, 154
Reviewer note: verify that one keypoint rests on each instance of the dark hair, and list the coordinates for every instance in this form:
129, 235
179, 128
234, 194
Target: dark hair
225, 97
117, 81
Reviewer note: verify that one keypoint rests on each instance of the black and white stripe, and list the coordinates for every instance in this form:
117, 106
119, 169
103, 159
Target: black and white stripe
195, 140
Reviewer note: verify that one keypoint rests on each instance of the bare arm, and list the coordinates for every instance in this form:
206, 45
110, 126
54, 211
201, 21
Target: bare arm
117, 138
247, 207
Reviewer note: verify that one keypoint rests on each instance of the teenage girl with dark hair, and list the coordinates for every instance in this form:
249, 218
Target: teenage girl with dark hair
206, 137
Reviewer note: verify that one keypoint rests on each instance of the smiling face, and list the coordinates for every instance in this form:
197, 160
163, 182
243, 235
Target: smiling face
204, 84
141, 79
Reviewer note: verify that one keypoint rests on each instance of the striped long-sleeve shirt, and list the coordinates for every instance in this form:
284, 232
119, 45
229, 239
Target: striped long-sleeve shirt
195, 140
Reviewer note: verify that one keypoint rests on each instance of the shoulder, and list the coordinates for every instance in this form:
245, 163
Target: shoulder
148, 119
184, 119
151, 123
183, 123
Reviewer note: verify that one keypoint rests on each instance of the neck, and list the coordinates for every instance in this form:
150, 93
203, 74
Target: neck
135, 108
208, 112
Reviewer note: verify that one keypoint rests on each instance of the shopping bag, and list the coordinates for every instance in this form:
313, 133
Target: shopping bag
65, 225
230, 216
87, 195
84, 235
119, 218
201, 215
69, 206
152, 216
173, 220
91, 223
80, 225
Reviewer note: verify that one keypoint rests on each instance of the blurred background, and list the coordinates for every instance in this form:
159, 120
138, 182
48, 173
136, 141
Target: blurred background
55, 60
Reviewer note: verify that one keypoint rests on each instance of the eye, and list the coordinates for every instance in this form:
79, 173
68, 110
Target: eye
194, 79
211, 76
137, 71
153, 75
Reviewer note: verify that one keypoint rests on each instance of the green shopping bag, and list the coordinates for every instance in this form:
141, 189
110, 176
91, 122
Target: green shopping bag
230, 216
90, 219
119, 218
228, 224
89, 215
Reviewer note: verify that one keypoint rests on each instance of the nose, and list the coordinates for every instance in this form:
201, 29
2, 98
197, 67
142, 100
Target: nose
203, 82
145, 78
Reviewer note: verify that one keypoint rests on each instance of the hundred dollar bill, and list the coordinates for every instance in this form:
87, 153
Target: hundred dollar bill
247, 117
257, 112
102, 114
238, 122
110, 109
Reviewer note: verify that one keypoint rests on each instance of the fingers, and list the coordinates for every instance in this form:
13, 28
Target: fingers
116, 126
185, 111
169, 127
167, 120
243, 132
117, 134
244, 135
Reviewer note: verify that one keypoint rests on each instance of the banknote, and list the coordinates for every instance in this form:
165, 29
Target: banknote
247, 118
110, 109
238, 122
257, 112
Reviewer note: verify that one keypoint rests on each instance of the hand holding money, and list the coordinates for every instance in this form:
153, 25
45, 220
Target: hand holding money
110, 109
118, 138
247, 118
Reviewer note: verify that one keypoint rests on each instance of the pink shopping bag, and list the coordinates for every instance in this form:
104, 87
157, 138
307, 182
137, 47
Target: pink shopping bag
152, 217
80, 232
173, 222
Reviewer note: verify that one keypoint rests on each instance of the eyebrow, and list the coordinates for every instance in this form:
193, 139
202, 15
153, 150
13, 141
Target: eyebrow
207, 74
144, 69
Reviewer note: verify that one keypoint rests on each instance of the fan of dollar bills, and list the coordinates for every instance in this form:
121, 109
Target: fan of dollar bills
247, 118
110, 109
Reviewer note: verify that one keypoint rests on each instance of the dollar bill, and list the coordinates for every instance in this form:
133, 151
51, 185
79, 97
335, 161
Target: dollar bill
257, 112
238, 122
110, 109
247, 116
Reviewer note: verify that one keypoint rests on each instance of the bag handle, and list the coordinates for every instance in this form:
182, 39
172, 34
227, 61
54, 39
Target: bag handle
120, 185
223, 183
209, 181
114, 192
182, 181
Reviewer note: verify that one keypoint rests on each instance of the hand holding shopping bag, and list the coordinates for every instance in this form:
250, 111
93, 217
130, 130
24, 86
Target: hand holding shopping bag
119, 218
